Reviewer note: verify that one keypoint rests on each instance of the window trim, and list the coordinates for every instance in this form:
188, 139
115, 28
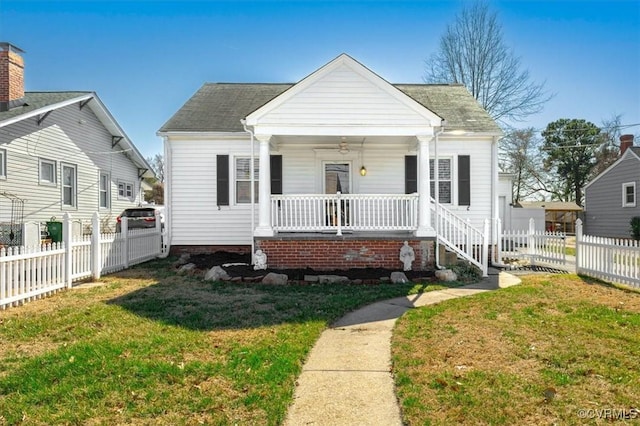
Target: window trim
74, 193
106, 191
3, 164
54, 172
626, 203
256, 173
451, 180
127, 186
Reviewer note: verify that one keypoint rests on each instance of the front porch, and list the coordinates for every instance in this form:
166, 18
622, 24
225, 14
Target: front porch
344, 231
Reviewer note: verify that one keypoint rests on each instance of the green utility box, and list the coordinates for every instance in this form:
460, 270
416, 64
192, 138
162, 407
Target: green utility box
55, 231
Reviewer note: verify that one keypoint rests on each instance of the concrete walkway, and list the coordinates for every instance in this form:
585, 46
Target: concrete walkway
347, 378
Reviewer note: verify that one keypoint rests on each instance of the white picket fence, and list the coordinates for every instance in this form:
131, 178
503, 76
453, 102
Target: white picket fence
530, 245
609, 259
28, 273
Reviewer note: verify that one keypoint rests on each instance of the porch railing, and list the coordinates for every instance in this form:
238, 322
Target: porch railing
459, 236
344, 212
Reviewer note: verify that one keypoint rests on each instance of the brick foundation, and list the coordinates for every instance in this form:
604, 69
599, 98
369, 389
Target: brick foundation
328, 254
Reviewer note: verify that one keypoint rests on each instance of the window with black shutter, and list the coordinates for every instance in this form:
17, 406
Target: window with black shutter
276, 174
410, 174
222, 180
464, 180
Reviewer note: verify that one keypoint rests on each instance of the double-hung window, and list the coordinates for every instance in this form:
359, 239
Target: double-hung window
104, 184
629, 194
69, 185
125, 191
3, 164
243, 179
444, 179
47, 171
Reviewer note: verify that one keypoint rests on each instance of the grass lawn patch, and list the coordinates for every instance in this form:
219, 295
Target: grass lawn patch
557, 349
147, 346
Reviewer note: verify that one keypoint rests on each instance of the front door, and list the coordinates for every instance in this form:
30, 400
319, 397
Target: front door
337, 179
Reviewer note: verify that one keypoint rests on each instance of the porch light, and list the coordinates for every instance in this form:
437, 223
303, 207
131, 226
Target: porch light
363, 171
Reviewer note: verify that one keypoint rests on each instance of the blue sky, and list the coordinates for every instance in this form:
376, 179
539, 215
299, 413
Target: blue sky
146, 58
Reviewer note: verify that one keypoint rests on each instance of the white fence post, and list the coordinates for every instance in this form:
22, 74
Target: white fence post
485, 249
531, 241
578, 243
68, 249
497, 253
124, 234
96, 249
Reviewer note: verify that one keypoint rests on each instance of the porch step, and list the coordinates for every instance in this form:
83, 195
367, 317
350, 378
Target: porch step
447, 258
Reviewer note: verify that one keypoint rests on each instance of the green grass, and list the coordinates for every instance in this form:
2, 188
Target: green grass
151, 347
536, 353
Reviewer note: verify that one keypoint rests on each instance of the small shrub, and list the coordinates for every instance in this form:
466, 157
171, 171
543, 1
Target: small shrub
635, 227
467, 272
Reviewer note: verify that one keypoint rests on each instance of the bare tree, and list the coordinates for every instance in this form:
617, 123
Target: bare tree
472, 52
157, 164
519, 156
609, 151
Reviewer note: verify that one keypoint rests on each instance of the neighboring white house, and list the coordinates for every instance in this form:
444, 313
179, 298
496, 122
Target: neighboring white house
342, 129
611, 198
61, 152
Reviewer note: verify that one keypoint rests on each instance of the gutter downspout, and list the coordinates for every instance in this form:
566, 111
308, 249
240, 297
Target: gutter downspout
251, 171
494, 205
167, 197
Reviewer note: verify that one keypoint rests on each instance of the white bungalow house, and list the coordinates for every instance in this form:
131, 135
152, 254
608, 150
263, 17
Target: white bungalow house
344, 170
60, 152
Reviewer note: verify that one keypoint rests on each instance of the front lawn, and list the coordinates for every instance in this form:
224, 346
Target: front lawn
557, 349
150, 347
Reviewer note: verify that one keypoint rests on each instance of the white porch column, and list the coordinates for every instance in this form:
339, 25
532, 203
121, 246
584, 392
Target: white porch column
424, 191
264, 228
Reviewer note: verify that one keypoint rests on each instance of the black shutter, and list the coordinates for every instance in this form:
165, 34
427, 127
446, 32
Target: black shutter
410, 174
464, 180
276, 174
222, 177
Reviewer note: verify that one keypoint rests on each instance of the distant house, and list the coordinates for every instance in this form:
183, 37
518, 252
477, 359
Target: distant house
559, 216
343, 171
60, 152
611, 199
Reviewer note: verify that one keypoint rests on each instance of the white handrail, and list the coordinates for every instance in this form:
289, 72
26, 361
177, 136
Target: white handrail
459, 236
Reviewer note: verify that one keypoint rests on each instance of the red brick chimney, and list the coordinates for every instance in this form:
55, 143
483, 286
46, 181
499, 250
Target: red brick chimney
11, 77
626, 141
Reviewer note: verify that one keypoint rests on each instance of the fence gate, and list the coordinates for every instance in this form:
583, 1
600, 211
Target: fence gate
534, 247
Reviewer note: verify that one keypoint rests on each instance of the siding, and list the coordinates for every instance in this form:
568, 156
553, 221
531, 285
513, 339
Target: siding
71, 136
195, 216
344, 97
604, 214
197, 220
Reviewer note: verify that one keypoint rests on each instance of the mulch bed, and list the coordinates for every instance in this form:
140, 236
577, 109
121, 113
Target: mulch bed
207, 261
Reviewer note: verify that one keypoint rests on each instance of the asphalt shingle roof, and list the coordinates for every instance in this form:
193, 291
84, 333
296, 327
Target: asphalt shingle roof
37, 100
219, 107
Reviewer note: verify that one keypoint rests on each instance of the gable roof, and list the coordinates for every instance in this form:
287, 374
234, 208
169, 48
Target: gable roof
38, 103
631, 152
219, 107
